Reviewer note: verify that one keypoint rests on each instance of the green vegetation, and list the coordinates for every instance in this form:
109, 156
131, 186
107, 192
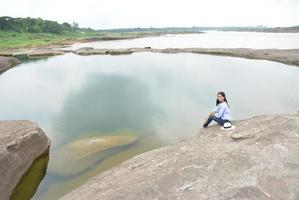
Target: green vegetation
35, 25
28, 32
31, 32
10, 39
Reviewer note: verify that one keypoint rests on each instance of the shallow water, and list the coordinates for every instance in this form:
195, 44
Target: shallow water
161, 98
210, 39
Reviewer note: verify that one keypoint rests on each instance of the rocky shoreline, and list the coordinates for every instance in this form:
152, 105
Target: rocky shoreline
21, 143
7, 63
257, 160
286, 56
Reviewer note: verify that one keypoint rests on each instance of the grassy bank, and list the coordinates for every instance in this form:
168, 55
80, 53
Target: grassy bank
11, 40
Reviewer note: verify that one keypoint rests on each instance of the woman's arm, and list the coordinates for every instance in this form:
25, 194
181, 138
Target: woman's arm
213, 112
221, 111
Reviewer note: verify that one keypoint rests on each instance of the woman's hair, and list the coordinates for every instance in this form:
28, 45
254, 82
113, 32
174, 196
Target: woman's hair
222, 94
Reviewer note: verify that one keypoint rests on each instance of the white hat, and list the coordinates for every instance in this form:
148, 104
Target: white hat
227, 125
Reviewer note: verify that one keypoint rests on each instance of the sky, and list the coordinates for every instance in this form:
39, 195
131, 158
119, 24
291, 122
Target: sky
100, 14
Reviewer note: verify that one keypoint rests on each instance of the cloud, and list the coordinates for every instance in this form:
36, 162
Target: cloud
108, 103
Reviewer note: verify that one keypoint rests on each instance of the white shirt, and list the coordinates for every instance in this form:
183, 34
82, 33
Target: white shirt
222, 111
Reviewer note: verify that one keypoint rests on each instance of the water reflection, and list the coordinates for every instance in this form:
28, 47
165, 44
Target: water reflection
25, 59
107, 103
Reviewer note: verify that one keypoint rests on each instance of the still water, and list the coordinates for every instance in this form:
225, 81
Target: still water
209, 39
160, 98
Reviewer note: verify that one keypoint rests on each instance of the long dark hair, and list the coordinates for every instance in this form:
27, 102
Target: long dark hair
222, 94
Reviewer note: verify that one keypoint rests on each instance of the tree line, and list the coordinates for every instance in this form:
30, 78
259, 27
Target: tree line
35, 25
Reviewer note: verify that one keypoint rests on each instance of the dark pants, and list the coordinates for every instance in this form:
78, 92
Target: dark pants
216, 119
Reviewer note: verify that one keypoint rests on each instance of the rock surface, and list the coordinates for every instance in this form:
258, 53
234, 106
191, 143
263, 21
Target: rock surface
286, 56
44, 53
258, 160
21, 142
92, 51
7, 63
81, 154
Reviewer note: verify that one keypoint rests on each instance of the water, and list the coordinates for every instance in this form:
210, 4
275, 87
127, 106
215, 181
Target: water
210, 39
161, 98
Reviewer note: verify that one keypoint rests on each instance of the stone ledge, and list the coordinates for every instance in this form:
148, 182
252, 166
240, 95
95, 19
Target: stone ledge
21, 142
263, 163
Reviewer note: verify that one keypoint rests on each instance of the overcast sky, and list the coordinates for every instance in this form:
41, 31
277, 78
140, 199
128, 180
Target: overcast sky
100, 14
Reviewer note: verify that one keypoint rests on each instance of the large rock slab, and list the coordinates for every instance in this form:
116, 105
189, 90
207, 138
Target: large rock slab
258, 160
7, 63
92, 51
44, 53
82, 154
286, 56
21, 143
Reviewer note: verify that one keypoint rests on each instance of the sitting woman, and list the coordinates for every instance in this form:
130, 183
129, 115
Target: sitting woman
221, 113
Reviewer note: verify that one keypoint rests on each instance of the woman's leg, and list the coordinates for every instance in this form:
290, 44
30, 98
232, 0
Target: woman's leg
219, 120
216, 119
210, 119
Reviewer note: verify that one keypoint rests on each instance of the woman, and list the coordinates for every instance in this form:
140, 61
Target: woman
221, 113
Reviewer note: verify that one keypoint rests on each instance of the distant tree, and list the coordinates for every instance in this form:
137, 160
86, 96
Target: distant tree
35, 29
52, 27
17, 24
67, 26
37, 25
75, 25
6, 23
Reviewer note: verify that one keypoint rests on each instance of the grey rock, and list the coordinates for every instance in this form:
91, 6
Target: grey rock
261, 164
7, 63
44, 53
81, 154
286, 56
92, 51
21, 142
